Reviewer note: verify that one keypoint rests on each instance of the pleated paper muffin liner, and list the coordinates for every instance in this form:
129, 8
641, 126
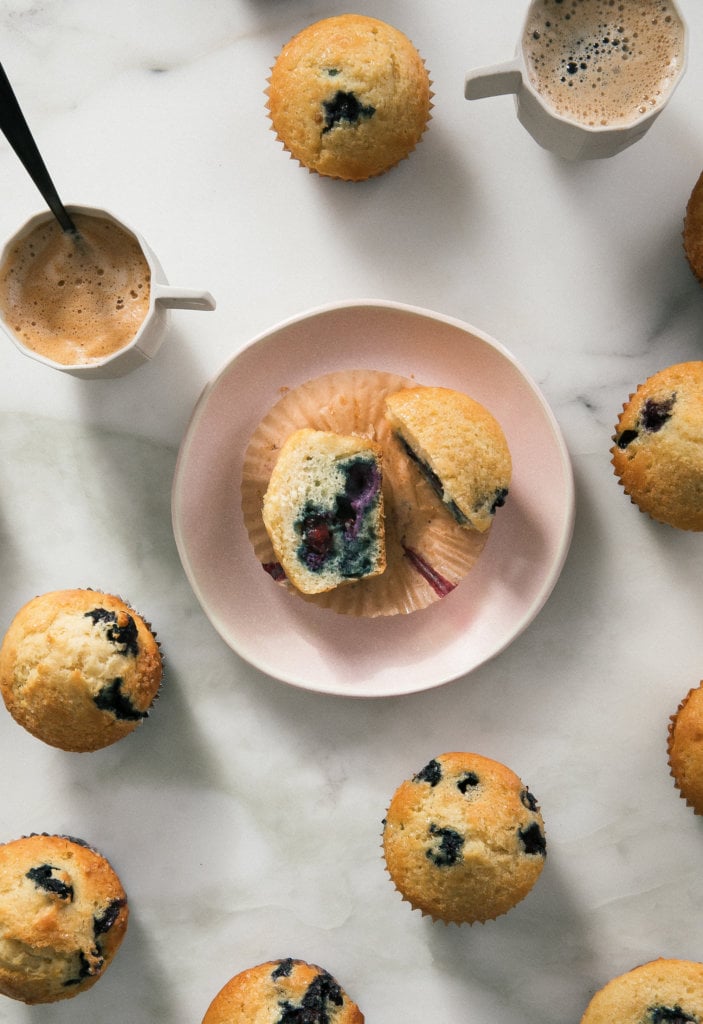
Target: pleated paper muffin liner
685, 787
416, 909
668, 490
427, 552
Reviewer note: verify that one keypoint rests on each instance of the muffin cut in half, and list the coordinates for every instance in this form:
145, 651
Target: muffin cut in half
323, 509
459, 446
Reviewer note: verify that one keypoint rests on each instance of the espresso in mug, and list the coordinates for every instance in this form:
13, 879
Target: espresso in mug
75, 300
603, 62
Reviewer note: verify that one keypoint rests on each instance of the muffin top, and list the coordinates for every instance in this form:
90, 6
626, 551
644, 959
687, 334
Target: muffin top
459, 446
63, 915
659, 992
658, 449
349, 97
464, 839
79, 669
280, 991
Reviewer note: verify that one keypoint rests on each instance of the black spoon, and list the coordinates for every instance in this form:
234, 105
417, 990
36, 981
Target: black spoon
17, 133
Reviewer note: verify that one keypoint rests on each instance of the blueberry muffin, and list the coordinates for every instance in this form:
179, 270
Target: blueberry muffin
427, 553
685, 748
349, 97
283, 992
659, 992
323, 510
63, 915
460, 448
693, 230
658, 446
463, 839
79, 669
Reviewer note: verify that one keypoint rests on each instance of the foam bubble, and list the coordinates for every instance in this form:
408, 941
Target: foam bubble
603, 62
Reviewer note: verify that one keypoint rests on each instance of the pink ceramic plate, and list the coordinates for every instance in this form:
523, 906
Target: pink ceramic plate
315, 648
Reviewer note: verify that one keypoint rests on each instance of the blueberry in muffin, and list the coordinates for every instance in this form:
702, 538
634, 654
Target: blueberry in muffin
663, 991
284, 991
324, 510
458, 446
657, 453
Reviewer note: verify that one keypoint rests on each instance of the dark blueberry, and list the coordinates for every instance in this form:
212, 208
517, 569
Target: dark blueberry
322, 994
448, 850
428, 473
499, 499
532, 838
626, 438
362, 484
275, 570
106, 920
346, 518
110, 698
434, 481
528, 800
670, 1015
342, 537
654, 415
318, 541
123, 635
283, 969
456, 512
467, 781
357, 563
332, 72
43, 878
87, 968
572, 67
344, 106
431, 773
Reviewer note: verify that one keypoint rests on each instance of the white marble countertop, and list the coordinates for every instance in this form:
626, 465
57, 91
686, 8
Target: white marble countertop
244, 816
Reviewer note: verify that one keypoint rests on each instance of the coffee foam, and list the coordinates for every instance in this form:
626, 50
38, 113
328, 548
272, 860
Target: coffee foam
75, 301
603, 62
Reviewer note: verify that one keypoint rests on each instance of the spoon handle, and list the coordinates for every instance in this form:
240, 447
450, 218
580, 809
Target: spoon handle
16, 131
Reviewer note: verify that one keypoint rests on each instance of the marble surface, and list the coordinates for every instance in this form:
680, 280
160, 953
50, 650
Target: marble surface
244, 816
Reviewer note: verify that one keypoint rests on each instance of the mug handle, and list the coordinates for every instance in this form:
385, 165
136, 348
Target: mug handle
182, 298
494, 80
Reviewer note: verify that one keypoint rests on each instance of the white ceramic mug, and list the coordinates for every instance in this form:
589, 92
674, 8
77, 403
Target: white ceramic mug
568, 137
153, 328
